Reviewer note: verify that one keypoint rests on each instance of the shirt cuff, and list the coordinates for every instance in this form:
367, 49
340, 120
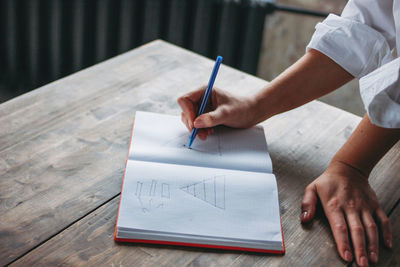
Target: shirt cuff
380, 92
355, 46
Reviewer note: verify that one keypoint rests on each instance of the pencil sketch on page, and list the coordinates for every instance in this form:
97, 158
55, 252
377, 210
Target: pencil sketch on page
152, 195
211, 191
210, 146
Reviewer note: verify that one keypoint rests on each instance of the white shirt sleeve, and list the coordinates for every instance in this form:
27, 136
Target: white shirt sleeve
355, 46
380, 92
361, 40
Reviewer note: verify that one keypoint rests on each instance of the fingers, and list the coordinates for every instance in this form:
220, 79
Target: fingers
368, 228
189, 104
308, 204
358, 237
210, 119
340, 233
196, 96
371, 231
186, 122
188, 112
386, 227
204, 133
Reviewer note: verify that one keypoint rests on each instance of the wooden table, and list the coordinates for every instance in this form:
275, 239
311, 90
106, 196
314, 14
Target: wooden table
63, 149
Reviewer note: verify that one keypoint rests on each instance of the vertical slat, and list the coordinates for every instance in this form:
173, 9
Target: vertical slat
190, 22
180, 14
113, 27
55, 25
101, 33
3, 25
127, 30
107, 29
228, 32
45, 42
153, 19
139, 21
206, 21
32, 43
90, 29
67, 18
77, 35
7, 53
112, 41
22, 45
252, 38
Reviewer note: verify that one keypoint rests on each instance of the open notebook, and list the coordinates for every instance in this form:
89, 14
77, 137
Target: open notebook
219, 194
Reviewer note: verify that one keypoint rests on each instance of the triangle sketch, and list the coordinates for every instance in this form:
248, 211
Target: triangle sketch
211, 191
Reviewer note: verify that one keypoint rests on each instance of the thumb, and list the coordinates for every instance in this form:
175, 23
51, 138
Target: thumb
210, 119
309, 203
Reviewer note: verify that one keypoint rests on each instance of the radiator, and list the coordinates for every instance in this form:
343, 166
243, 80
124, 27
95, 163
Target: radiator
44, 40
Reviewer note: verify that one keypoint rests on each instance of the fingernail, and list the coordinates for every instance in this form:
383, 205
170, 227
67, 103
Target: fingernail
373, 256
389, 243
363, 261
347, 255
199, 124
304, 215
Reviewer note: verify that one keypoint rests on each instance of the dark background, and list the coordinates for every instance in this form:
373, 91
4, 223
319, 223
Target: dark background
44, 40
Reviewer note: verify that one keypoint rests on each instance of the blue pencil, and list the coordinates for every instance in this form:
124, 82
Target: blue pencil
206, 96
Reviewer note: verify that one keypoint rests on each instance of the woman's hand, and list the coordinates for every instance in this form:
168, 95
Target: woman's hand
222, 108
352, 209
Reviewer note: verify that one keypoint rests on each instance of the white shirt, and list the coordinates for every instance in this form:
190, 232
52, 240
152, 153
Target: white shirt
362, 40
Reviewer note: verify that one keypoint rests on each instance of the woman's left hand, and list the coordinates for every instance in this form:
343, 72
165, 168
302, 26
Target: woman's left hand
351, 206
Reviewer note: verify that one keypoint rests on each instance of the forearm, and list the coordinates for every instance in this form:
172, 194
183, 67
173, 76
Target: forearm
312, 76
366, 146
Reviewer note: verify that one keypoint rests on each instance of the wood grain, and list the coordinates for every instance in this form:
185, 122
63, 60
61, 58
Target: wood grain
63, 146
63, 151
311, 245
391, 257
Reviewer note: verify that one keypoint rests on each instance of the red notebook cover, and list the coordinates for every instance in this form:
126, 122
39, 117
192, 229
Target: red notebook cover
162, 242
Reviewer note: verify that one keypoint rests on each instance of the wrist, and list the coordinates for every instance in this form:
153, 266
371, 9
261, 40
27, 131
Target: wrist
262, 106
338, 165
366, 146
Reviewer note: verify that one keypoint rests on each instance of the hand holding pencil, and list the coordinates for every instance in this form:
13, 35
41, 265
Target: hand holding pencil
222, 109
219, 108
206, 96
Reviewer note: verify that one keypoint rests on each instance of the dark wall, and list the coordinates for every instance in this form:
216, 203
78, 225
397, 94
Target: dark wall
44, 40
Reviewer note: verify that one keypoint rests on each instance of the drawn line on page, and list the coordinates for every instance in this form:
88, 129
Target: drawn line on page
156, 196
153, 188
218, 134
177, 141
165, 190
138, 191
181, 141
211, 191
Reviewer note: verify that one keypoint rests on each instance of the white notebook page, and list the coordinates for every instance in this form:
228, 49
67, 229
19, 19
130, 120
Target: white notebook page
167, 198
164, 138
